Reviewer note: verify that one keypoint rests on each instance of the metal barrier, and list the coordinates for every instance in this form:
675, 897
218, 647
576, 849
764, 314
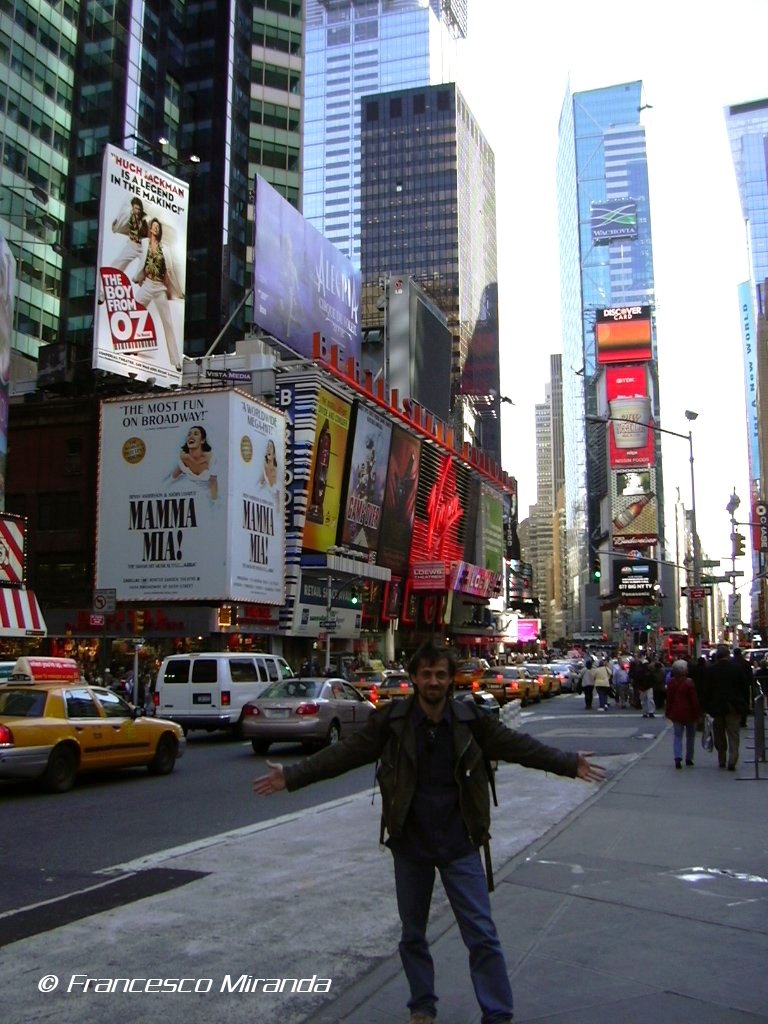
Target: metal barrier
759, 712
758, 707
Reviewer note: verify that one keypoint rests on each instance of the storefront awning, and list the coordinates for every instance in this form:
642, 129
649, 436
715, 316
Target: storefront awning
20, 613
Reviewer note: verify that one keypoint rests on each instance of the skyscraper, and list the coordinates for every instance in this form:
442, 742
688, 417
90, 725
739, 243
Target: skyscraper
607, 301
352, 49
747, 125
429, 212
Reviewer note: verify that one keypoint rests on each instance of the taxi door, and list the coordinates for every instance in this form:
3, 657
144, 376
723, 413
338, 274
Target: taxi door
128, 738
85, 718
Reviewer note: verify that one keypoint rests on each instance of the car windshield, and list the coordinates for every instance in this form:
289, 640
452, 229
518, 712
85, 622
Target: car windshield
22, 703
297, 688
504, 673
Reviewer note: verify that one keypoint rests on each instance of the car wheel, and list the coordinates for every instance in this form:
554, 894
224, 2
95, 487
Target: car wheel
334, 734
165, 756
260, 746
60, 772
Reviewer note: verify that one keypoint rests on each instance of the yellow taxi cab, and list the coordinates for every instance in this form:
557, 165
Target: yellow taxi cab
548, 682
469, 672
55, 726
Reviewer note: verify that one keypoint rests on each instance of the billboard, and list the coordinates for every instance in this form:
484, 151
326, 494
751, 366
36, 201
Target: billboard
623, 334
7, 292
613, 220
399, 501
366, 480
419, 346
301, 282
13, 564
138, 325
631, 439
634, 580
311, 616
634, 508
749, 346
191, 498
519, 581
491, 534
327, 473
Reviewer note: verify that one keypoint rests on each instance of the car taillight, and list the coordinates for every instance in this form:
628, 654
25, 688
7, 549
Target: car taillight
225, 699
156, 699
6, 736
250, 710
475, 684
307, 709
374, 694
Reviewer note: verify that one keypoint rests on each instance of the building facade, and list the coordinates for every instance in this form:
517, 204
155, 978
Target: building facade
747, 125
354, 49
613, 495
210, 99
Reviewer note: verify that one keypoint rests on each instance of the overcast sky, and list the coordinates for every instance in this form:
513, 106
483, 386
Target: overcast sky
518, 61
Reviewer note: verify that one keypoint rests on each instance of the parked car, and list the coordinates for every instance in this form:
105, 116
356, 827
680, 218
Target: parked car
468, 673
510, 682
54, 729
314, 711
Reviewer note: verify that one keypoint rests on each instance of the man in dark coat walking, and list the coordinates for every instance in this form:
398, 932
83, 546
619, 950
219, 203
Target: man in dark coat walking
727, 700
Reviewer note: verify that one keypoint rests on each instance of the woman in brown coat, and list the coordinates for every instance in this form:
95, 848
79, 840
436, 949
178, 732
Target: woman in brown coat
683, 711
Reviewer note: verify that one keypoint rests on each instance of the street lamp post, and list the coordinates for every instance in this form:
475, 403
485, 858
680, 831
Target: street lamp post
693, 603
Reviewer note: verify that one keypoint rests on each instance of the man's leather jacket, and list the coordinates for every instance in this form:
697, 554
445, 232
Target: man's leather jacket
388, 736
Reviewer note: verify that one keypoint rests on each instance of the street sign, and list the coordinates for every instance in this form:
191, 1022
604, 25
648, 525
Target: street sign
105, 601
696, 593
734, 608
328, 623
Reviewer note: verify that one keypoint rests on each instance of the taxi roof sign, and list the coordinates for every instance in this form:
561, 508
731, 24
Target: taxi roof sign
46, 670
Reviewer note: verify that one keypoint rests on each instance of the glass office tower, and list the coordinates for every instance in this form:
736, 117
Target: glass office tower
351, 49
747, 125
429, 212
606, 262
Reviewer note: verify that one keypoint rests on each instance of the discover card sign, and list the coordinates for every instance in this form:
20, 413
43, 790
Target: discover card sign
191, 499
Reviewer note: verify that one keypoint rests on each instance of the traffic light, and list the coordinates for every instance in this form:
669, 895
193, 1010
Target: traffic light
738, 544
596, 573
353, 596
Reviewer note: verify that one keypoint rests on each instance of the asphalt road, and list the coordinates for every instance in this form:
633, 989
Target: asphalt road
54, 845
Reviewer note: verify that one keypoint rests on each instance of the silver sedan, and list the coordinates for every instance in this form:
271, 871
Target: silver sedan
312, 711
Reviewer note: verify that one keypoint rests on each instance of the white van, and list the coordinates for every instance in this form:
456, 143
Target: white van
208, 690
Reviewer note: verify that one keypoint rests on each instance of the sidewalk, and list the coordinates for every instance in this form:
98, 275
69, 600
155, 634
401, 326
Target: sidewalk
648, 904
643, 900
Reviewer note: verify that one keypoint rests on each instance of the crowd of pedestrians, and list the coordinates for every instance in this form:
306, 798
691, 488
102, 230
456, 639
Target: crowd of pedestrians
721, 688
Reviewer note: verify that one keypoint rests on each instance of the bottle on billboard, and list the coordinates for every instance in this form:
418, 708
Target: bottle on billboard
316, 511
631, 512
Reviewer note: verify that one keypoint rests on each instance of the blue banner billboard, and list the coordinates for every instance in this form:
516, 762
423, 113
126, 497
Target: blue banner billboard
301, 282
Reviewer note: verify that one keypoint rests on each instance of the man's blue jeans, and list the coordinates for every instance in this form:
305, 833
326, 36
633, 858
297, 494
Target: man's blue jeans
466, 887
